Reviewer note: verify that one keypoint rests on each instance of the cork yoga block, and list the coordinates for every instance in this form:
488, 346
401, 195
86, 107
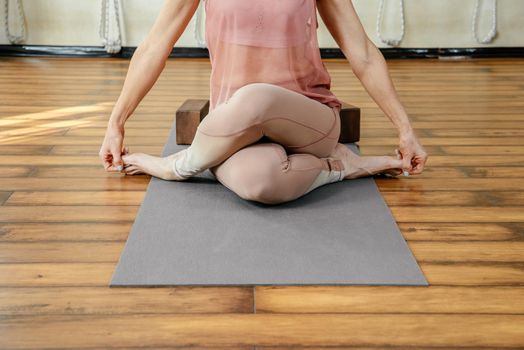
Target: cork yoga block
192, 111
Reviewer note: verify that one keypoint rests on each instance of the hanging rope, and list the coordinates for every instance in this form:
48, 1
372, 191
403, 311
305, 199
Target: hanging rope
15, 39
198, 25
112, 41
391, 41
493, 31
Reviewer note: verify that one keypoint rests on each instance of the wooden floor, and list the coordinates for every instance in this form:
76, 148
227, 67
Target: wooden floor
64, 221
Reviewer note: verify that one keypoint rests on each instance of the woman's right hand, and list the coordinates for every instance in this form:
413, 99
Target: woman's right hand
112, 148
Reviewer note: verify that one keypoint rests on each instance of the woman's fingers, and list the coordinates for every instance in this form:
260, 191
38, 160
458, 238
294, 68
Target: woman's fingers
406, 162
107, 159
419, 163
116, 152
112, 148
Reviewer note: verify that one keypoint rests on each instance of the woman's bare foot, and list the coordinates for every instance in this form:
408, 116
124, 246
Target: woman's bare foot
358, 166
141, 163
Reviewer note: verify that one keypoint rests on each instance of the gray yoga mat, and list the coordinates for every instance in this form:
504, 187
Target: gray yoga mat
198, 232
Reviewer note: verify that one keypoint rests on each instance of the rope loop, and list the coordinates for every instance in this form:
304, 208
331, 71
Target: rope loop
15, 39
380, 14
492, 33
112, 41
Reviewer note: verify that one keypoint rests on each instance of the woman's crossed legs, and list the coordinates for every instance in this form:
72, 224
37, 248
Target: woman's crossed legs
268, 144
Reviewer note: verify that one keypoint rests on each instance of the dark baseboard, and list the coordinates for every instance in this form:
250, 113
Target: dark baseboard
187, 52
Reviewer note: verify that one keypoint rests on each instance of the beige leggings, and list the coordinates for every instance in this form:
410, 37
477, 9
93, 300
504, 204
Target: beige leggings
266, 143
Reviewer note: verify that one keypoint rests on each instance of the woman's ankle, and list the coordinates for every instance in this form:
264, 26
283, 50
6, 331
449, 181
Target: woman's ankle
180, 167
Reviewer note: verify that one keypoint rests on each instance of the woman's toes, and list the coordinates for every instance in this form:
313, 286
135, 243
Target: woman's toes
131, 158
127, 158
128, 168
136, 172
132, 170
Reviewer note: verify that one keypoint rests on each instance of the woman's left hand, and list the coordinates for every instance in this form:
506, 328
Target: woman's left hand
413, 155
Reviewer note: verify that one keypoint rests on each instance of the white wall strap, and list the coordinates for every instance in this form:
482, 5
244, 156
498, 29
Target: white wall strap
199, 37
20, 22
493, 30
390, 41
109, 29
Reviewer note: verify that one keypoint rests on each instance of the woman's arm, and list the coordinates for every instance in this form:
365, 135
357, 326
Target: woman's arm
145, 67
369, 66
149, 59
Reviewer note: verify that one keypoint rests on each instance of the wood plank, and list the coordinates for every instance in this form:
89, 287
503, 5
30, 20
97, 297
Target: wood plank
111, 182
32, 131
94, 149
25, 149
50, 160
499, 171
71, 231
413, 184
460, 231
389, 299
99, 274
97, 142
378, 347
77, 198
458, 214
15, 171
475, 133
58, 213
509, 251
444, 198
161, 133
264, 329
479, 160
104, 301
471, 117
427, 141
54, 252
488, 149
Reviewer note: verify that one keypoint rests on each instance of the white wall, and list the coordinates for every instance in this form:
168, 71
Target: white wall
429, 23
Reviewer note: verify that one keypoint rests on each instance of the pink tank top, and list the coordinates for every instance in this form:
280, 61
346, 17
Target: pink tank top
270, 41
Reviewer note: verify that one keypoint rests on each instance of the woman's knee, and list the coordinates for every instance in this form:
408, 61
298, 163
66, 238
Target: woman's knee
258, 178
243, 110
265, 190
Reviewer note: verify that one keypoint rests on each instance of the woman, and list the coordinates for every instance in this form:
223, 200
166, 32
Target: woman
272, 131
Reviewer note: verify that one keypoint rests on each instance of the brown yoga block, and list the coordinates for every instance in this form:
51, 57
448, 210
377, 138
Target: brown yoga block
188, 117
349, 123
192, 111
